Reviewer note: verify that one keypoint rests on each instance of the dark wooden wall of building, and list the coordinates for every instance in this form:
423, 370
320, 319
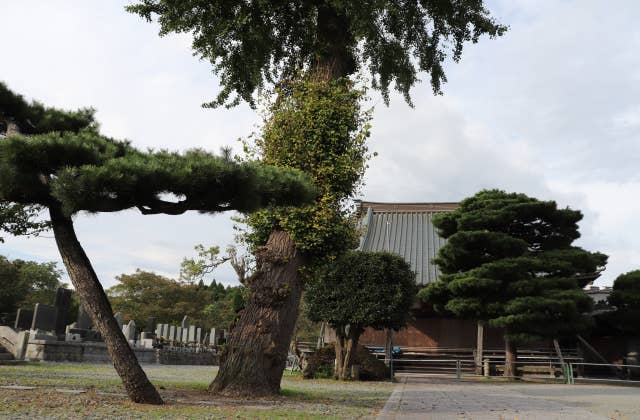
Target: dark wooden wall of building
436, 332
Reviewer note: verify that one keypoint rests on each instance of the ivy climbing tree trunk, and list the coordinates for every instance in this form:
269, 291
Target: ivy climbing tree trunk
255, 357
95, 302
346, 346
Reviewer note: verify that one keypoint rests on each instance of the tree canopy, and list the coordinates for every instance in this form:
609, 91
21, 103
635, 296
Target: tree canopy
253, 43
19, 220
145, 294
509, 260
625, 296
25, 283
363, 289
360, 290
35, 118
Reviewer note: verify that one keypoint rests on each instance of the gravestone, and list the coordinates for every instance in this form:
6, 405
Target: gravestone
158, 330
185, 322
178, 333
213, 337
151, 324
205, 341
198, 335
185, 335
84, 321
129, 331
192, 334
119, 319
24, 318
165, 331
44, 317
63, 306
172, 333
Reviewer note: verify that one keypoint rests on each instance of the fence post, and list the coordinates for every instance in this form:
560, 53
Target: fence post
458, 370
571, 373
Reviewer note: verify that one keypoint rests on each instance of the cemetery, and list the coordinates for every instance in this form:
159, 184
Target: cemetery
42, 334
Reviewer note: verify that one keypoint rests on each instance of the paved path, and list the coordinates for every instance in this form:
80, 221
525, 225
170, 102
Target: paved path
426, 398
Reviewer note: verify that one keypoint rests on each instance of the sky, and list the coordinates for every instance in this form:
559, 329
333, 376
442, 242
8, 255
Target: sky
551, 109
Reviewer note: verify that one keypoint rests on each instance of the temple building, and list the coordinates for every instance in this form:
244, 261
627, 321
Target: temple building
406, 229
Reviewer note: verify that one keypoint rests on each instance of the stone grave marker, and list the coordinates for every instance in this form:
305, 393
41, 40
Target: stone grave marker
213, 337
158, 330
165, 331
44, 317
199, 335
172, 333
119, 319
63, 306
185, 335
192, 334
84, 321
24, 318
185, 322
151, 324
129, 331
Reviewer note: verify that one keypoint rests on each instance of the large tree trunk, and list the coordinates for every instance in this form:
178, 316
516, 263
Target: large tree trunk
510, 358
346, 346
335, 43
95, 302
256, 353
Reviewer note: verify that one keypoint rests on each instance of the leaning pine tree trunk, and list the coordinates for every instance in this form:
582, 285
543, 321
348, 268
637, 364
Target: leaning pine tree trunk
95, 302
256, 354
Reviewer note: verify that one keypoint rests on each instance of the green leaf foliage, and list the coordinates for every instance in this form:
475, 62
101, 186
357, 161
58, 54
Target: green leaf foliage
250, 43
19, 220
509, 261
363, 289
86, 171
625, 296
25, 283
35, 118
76, 168
145, 294
315, 126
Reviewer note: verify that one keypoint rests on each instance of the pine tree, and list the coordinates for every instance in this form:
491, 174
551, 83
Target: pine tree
509, 262
625, 296
68, 172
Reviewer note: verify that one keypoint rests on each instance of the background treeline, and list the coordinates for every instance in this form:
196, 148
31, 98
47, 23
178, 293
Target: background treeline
146, 294
25, 283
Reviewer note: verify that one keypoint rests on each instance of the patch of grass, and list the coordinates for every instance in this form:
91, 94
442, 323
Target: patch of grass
184, 389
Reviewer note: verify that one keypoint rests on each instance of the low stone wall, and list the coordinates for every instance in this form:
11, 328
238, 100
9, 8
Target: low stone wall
88, 352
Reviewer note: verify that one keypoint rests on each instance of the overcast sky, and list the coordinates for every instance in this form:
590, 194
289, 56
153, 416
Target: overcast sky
552, 109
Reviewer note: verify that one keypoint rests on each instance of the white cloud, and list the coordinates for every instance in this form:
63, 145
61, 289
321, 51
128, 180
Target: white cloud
550, 109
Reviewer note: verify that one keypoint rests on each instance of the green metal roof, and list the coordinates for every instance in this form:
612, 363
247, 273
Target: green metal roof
404, 229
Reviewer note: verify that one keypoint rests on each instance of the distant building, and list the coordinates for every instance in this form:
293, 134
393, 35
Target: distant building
600, 295
406, 229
